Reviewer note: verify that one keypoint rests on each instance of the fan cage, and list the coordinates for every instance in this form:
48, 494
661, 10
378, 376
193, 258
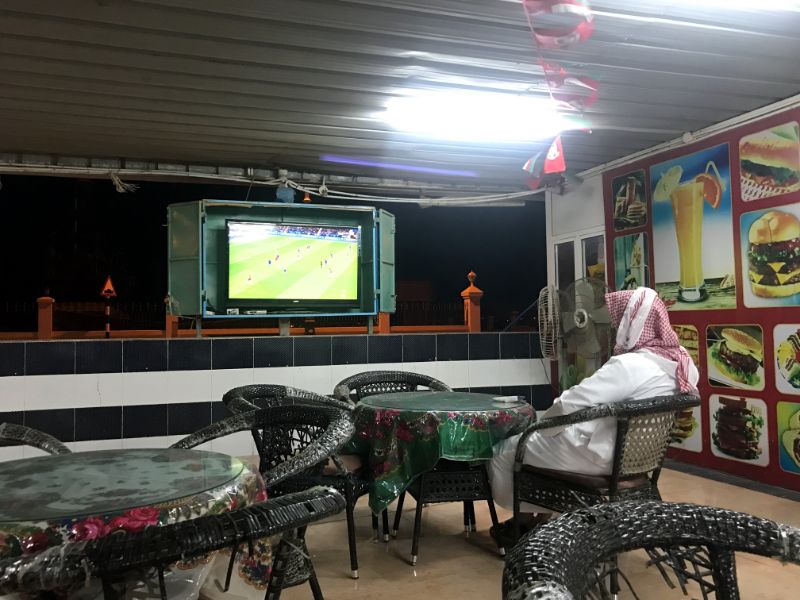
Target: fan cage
549, 322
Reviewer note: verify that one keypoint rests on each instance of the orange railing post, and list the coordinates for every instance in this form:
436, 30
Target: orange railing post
384, 323
45, 318
171, 326
472, 305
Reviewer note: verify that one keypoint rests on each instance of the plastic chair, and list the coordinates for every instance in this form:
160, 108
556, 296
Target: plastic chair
693, 543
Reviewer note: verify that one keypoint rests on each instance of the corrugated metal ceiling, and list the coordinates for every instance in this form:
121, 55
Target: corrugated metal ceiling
279, 83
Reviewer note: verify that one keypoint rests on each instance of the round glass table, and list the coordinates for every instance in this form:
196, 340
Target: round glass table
51, 500
405, 434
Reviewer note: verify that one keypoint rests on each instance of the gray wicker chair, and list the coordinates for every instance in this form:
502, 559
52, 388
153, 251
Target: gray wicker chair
449, 481
690, 542
19, 435
62, 569
294, 439
352, 485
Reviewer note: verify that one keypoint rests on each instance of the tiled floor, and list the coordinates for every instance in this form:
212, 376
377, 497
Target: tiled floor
453, 566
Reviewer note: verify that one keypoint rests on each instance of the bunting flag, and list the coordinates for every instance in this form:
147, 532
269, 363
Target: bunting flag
545, 169
571, 92
564, 36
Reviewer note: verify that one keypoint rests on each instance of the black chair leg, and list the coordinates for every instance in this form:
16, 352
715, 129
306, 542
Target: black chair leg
276, 576
467, 527
374, 527
385, 519
351, 539
417, 522
472, 522
495, 523
613, 579
398, 513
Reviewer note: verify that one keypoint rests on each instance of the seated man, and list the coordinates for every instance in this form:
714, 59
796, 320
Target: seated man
648, 361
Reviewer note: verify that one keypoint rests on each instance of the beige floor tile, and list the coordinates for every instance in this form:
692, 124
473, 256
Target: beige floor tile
454, 566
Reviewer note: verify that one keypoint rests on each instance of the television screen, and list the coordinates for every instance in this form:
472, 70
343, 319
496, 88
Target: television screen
290, 262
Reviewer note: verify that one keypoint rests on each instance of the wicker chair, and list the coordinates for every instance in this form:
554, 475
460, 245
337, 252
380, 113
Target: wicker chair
294, 439
68, 567
449, 481
351, 485
694, 543
19, 435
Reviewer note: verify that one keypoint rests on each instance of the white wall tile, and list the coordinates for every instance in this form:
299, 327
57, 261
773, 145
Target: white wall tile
11, 453
145, 388
484, 373
454, 373
275, 375
523, 371
110, 388
223, 380
157, 441
95, 445
423, 368
339, 372
12, 393
314, 379
189, 386
61, 391
237, 444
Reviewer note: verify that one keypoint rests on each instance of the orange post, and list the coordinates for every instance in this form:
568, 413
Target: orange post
472, 305
45, 318
172, 326
384, 323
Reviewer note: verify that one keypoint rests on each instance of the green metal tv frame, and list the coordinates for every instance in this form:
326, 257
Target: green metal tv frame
197, 257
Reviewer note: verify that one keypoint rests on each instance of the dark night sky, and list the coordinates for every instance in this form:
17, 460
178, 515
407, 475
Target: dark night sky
65, 235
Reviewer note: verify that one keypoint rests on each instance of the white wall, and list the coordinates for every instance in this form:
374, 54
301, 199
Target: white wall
579, 209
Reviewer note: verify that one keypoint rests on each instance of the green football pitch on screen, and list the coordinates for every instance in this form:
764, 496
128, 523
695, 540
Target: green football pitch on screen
290, 267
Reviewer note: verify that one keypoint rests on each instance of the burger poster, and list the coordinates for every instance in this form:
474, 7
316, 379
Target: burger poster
630, 261
689, 338
686, 433
628, 197
739, 429
789, 436
692, 224
769, 162
787, 358
771, 257
735, 356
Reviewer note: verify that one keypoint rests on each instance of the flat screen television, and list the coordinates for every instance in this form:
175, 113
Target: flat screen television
293, 266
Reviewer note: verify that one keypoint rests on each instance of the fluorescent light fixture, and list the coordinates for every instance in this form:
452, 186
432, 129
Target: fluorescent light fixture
347, 160
743, 5
469, 116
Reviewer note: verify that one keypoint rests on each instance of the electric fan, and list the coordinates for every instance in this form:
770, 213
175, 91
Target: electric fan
577, 319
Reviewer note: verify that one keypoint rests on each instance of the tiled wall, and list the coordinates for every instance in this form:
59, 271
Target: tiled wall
113, 394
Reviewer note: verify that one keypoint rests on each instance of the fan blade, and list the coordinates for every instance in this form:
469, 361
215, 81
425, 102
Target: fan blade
590, 346
568, 322
601, 315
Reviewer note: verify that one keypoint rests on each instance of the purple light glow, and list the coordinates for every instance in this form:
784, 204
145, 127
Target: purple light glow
346, 160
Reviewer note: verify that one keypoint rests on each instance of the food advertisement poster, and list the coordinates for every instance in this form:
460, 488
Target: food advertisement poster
689, 338
735, 356
769, 162
630, 261
687, 431
691, 224
789, 436
787, 358
739, 429
629, 201
770, 242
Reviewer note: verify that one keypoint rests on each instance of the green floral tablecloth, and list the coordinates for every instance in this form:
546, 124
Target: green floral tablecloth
405, 434
49, 500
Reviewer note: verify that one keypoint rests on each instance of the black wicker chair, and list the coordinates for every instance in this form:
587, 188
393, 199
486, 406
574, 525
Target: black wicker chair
694, 543
19, 435
65, 568
449, 481
294, 439
351, 485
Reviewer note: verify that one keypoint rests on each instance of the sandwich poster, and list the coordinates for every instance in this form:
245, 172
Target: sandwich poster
693, 231
739, 429
735, 356
770, 162
686, 433
770, 241
789, 436
787, 358
629, 203
630, 261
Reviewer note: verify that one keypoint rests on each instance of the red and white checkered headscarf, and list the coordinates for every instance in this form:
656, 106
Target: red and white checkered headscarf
642, 321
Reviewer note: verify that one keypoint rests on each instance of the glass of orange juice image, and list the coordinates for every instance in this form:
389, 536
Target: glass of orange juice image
687, 210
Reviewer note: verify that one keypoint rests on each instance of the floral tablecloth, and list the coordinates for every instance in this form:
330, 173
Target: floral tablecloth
405, 434
50, 500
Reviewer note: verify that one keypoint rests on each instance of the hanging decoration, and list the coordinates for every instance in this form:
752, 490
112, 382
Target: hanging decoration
569, 91
560, 37
545, 168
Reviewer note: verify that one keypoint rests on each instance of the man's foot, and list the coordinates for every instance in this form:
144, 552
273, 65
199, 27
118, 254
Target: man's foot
503, 533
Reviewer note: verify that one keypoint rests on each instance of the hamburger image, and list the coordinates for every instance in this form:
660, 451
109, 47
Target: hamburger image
738, 429
788, 359
774, 255
770, 162
689, 339
684, 427
737, 356
791, 438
